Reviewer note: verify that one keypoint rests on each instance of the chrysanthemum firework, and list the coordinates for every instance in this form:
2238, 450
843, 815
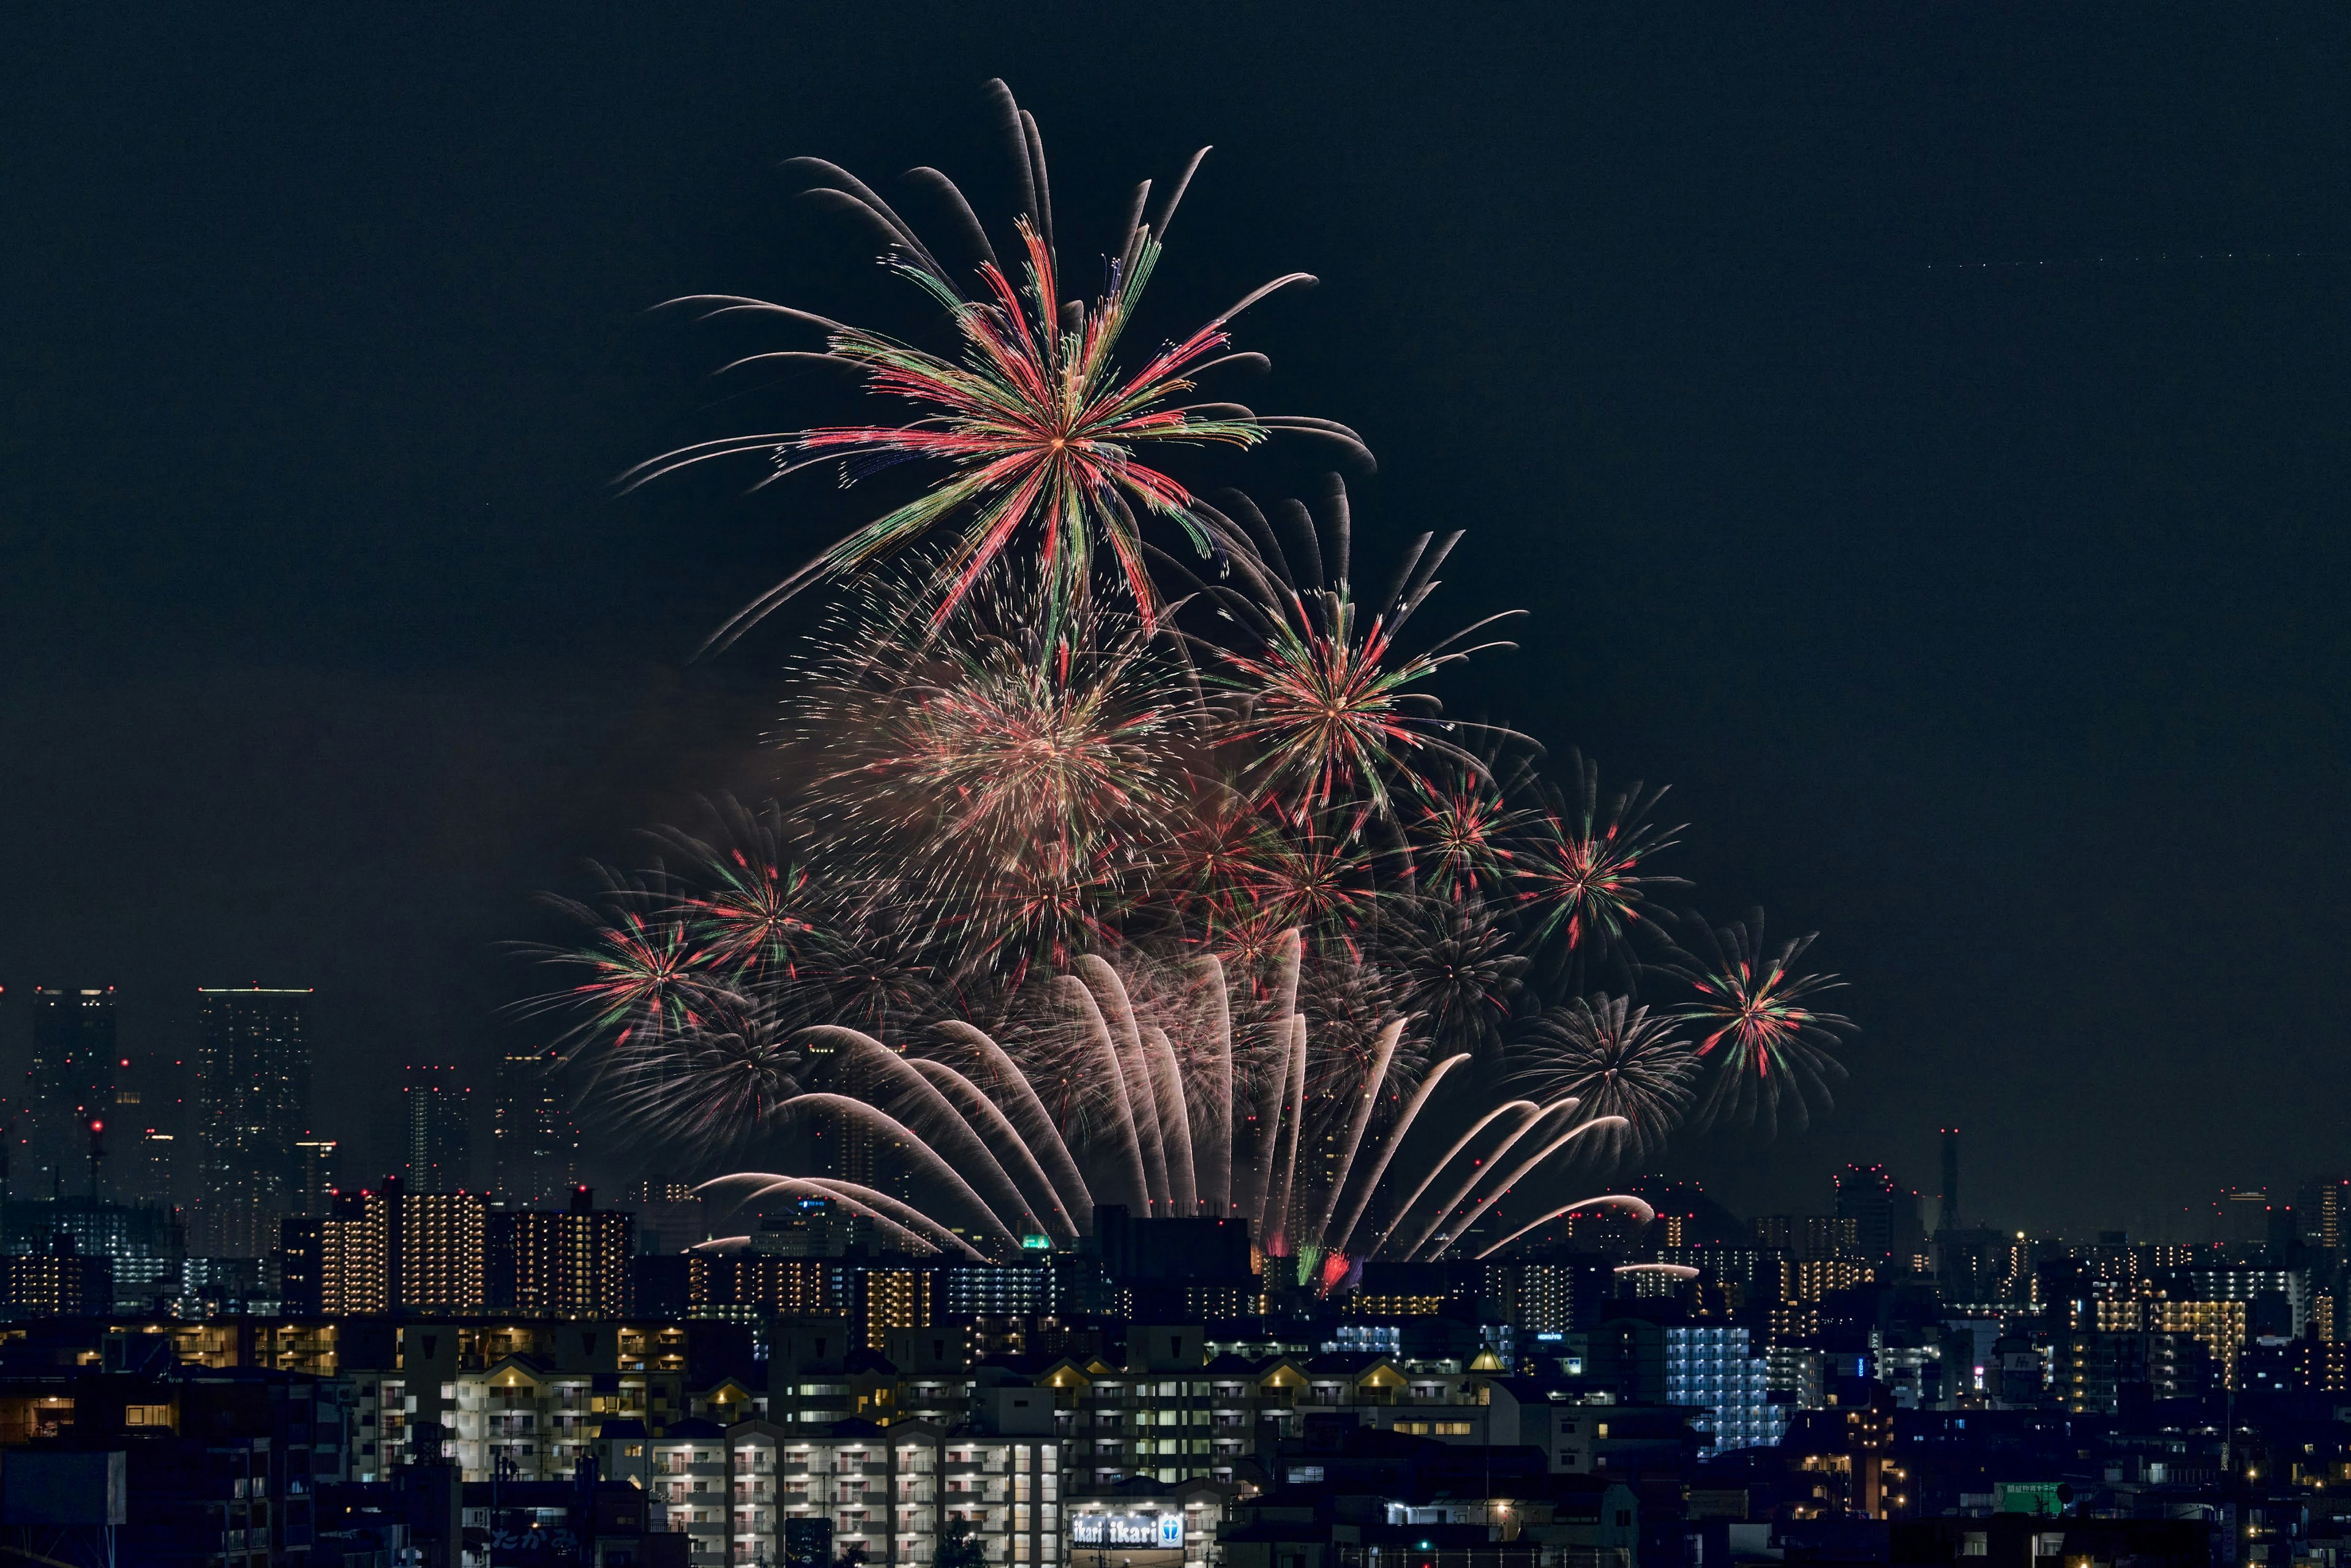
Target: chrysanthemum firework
1459, 973
1036, 421
752, 908
1758, 1023
1580, 871
1010, 782
1616, 1059
1328, 707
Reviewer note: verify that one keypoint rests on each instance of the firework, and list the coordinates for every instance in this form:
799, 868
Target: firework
1328, 705
1460, 832
752, 910
639, 974
1580, 871
715, 1081
1459, 975
1005, 786
1102, 870
1033, 420
1618, 1060
1173, 1095
1759, 1024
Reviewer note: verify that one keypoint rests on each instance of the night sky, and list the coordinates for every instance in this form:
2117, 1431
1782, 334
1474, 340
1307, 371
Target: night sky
1918, 432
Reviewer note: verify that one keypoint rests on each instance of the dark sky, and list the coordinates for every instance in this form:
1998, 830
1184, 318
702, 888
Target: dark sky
1988, 618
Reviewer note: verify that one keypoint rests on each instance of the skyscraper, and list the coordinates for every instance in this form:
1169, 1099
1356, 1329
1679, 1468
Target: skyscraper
253, 1096
437, 1112
317, 1162
1865, 1195
535, 1149
71, 1083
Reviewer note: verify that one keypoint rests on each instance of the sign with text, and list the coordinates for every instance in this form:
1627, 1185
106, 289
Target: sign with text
1150, 1532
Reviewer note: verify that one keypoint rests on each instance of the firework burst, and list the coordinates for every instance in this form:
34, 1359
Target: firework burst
1617, 1059
1011, 787
1460, 976
1758, 1022
1580, 872
1330, 710
1035, 422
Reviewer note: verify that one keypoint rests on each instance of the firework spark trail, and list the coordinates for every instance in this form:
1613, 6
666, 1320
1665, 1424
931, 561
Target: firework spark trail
1368, 1101
969, 1102
1476, 1171
1167, 1088
1129, 1139
911, 1143
1217, 1173
978, 1136
1288, 950
1503, 1187
927, 1233
1275, 1227
1404, 1209
1033, 1126
937, 1116
1637, 1205
1117, 1009
1346, 1233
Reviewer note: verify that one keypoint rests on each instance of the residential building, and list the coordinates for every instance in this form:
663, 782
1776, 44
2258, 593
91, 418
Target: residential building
1713, 1367
572, 1262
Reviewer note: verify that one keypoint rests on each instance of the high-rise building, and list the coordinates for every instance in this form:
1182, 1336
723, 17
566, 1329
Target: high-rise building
1946, 1212
2240, 1216
1865, 1195
151, 1166
1828, 1236
2325, 1205
148, 1129
437, 1113
535, 1150
253, 1097
571, 1262
70, 1085
848, 1147
317, 1163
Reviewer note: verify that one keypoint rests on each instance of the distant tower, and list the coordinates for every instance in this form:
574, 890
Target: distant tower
71, 1083
252, 1100
439, 1122
1947, 1216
